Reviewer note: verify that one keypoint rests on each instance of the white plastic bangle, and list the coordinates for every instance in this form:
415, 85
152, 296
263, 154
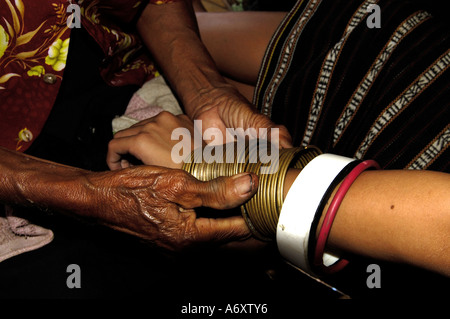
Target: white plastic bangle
300, 206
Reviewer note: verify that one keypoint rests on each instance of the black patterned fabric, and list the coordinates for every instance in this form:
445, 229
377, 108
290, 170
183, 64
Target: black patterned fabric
339, 82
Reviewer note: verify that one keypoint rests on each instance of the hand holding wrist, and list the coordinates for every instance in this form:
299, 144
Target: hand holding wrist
157, 204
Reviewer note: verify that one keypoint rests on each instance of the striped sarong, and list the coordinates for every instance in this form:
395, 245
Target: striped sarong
339, 81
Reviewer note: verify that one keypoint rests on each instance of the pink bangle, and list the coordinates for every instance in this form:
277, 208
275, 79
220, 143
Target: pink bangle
330, 215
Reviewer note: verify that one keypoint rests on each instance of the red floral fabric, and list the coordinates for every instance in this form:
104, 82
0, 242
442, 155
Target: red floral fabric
34, 43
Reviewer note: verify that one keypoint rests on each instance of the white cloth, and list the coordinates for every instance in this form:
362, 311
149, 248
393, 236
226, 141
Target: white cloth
18, 236
152, 98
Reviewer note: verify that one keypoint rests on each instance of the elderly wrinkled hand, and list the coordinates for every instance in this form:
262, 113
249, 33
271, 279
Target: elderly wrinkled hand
157, 204
228, 109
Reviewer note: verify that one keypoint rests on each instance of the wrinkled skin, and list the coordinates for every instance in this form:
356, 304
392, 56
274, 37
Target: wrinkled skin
170, 219
157, 204
172, 35
229, 109
154, 203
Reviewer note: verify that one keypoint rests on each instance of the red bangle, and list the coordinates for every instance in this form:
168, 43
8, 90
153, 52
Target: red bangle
331, 213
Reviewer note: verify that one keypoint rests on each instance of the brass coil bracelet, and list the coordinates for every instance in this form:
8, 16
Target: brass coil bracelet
262, 211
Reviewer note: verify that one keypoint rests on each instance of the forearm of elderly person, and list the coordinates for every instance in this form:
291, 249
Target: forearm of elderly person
153, 203
170, 32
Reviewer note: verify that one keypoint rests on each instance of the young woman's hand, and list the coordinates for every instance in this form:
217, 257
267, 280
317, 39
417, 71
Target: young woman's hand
150, 141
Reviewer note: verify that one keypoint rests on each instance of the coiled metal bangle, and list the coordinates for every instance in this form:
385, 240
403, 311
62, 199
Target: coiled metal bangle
262, 211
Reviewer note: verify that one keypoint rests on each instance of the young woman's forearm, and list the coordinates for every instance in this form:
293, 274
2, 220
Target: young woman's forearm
398, 215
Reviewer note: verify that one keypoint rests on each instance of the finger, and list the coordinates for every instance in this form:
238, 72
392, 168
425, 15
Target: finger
131, 131
117, 148
285, 139
137, 128
125, 164
225, 192
167, 118
162, 119
222, 230
144, 122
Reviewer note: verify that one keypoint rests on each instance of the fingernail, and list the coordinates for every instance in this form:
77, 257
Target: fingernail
243, 183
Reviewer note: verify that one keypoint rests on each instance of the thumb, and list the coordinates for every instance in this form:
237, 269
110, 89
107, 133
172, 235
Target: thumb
228, 192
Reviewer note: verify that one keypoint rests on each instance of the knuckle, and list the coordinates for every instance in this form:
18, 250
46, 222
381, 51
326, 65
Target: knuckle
112, 151
164, 116
141, 141
180, 181
118, 134
216, 193
219, 189
142, 137
111, 144
181, 188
